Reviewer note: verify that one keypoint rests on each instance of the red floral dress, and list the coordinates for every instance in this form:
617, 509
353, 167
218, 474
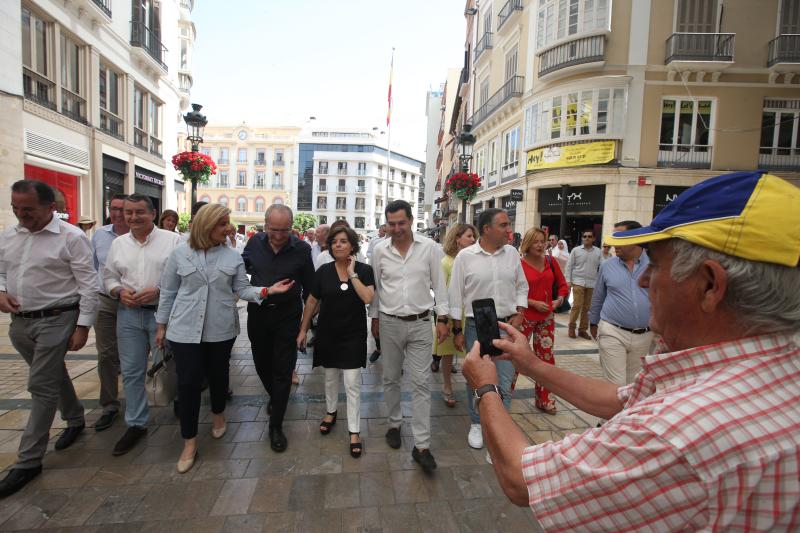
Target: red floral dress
539, 327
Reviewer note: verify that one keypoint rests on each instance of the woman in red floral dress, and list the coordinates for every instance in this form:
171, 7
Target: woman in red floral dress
542, 273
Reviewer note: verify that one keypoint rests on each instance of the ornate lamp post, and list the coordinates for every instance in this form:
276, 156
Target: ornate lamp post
195, 123
466, 139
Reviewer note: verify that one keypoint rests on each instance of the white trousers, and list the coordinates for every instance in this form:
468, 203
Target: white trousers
352, 388
621, 352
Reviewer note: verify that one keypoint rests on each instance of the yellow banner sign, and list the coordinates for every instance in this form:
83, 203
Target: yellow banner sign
572, 155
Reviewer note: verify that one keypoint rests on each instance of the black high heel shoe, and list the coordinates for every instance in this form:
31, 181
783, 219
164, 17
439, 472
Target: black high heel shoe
325, 427
356, 447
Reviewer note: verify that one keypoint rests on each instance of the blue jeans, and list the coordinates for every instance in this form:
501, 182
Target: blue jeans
136, 337
505, 371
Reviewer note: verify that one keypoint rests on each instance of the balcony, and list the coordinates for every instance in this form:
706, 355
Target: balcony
342, 172
323, 171
259, 184
484, 44
510, 89
361, 189
277, 186
39, 89
776, 158
278, 162
260, 162
104, 6
580, 51
155, 147
341, 188
507, 11
140, 138
684, 156
784, 49
707, 49
184, 83
143, 38
222, 161
111, 124
73, 106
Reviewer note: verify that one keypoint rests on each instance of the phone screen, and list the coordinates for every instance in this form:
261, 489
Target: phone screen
486, 325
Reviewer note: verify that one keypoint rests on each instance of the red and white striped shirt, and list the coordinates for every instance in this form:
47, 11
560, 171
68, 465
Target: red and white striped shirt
709, 440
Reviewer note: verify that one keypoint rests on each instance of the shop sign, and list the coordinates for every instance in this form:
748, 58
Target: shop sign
571, 155
508, 203
149, 178
516, 195
664, 196
587, 199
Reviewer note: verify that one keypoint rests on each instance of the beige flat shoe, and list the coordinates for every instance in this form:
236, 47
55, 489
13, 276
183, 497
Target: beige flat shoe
219, 433
186, 465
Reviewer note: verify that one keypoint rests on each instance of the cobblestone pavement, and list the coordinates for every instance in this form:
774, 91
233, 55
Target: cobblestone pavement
239, 484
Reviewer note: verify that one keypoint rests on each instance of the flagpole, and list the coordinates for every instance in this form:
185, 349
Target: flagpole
389, 131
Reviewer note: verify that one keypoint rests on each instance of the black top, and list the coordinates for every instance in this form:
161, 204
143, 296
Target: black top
293, 261
342, 324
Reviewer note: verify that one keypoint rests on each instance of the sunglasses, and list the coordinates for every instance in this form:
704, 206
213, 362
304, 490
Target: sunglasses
588, 236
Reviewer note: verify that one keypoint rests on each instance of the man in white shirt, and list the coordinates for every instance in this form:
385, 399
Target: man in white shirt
581, 273
48, 284
105, 327
133, 271
406, 268
380, 237
490, 268
320, 239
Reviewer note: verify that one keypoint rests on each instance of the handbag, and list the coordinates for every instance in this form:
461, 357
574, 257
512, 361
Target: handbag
161, 380
565, 304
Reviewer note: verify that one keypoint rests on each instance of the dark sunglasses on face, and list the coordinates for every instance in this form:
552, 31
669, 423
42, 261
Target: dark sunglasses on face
588, 236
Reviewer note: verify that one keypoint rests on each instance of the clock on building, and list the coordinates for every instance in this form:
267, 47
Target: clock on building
243, 135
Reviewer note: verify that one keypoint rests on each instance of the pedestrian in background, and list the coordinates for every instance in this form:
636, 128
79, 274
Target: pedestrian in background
559, 251
133, 270
458, 237
197, 314
543, 275
168, 220
581, 274
340, 292
105, 327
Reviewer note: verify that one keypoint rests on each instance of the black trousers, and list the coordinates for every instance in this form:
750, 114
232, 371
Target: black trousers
194, 362
273, 338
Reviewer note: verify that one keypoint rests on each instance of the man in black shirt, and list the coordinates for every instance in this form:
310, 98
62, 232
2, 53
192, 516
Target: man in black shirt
273, 326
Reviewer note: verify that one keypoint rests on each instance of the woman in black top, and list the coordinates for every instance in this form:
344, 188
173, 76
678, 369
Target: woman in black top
341, 290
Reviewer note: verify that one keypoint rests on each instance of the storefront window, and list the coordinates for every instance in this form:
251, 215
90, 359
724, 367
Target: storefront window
66, 189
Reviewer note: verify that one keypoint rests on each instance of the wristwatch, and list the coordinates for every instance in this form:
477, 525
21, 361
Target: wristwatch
353, 276
456, 331
443, 320
480, 391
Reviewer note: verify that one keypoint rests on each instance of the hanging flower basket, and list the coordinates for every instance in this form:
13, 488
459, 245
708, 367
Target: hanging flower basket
465, 186
194, 166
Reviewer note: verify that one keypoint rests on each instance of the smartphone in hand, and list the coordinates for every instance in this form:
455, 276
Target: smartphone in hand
486, 325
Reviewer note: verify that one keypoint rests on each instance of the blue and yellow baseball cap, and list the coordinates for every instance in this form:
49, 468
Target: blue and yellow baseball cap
752, 215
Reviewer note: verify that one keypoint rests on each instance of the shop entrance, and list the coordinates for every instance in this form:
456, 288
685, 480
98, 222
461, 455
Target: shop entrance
576, 224
584, 209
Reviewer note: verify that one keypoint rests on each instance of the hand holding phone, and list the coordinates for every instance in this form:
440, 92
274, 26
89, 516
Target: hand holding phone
486, 325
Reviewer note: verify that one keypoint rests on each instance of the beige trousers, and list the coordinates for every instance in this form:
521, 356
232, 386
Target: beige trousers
621, 352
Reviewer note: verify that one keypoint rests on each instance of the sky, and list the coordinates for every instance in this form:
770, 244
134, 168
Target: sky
278, 62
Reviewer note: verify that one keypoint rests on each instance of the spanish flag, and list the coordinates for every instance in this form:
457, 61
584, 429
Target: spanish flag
391, 73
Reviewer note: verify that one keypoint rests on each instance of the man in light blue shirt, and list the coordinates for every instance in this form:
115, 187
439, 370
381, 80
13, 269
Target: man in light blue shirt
620, 311
105, 327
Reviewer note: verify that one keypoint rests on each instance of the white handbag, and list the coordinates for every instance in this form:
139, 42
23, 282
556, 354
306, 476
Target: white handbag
161, 381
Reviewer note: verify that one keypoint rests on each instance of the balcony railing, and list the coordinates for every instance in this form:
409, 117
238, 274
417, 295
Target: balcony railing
506, 11
222, 184
361, 172
259, 184
684, 156
143, 37
341, 188
278, 162
784, 49
261, 162
187, 4
361, 189
322, 188
73, 106
277, 186
140, 138
104, 5
772, 158
155, 146
510, 89
342, 172
39, 89
111, 125
323, 171
700, 47
575, 52
222, 161
484, 44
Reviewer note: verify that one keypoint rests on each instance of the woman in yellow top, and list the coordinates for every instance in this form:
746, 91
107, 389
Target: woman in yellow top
458, 237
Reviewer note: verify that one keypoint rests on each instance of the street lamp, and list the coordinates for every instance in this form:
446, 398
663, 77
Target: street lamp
195, 122
466, 139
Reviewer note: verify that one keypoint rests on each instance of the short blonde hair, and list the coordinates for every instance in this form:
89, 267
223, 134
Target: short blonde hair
455, 232
203, 224
527, 241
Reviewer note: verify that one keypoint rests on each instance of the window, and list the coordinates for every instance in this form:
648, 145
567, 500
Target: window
380, 170
241, 204
322, 202
685, 123
323, 185
223, 180
789, 17
484, 94
322, 167
205, 198
362, 169
359, 223
341, 202
242, 156
259, 204
510, 150
146, 121
223, 156
342, 187
71, 65
561, 19
277, 181
223, 201
361, 186
184, 54
206, 151
341, 218
342, 166
391, 174
278, 200
480, 164
696, 16
322, 219
360, 204
780, 131
260, 156
403, 177
278, 157
259, 180
109, 85
377, 222
492, 160
378, 204
511, 63
35, 43
487, 19
241, 179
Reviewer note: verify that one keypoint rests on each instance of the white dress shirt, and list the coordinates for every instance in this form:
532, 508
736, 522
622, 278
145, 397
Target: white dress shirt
582, 266
49, 268
376, 240
403, 284
477, 274
135, 266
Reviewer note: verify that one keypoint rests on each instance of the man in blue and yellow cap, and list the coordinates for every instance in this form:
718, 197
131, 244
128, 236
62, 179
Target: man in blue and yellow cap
707, 437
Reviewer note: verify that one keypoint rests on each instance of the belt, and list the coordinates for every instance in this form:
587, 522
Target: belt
635, 331
410, 318
44, 313
149, 307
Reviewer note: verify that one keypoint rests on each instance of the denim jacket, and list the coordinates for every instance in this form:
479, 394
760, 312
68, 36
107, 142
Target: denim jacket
197, 294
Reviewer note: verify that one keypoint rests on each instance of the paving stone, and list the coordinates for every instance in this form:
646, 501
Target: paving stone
307, 492
436, 517
362, 520
472, 481
234, 498
116, 475
271, 495
230, 469
409, 486
342, 490
399, 518
368, 462
244, 523
195, 498
63, 478
376, 489
38, 510
286, 522
119, 504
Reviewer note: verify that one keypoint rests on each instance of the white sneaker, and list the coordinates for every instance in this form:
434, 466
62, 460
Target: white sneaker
488, 457
475, 437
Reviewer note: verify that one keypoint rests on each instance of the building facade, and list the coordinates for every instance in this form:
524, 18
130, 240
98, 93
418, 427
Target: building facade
346, 174
628, 102
91, 98
255, 169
